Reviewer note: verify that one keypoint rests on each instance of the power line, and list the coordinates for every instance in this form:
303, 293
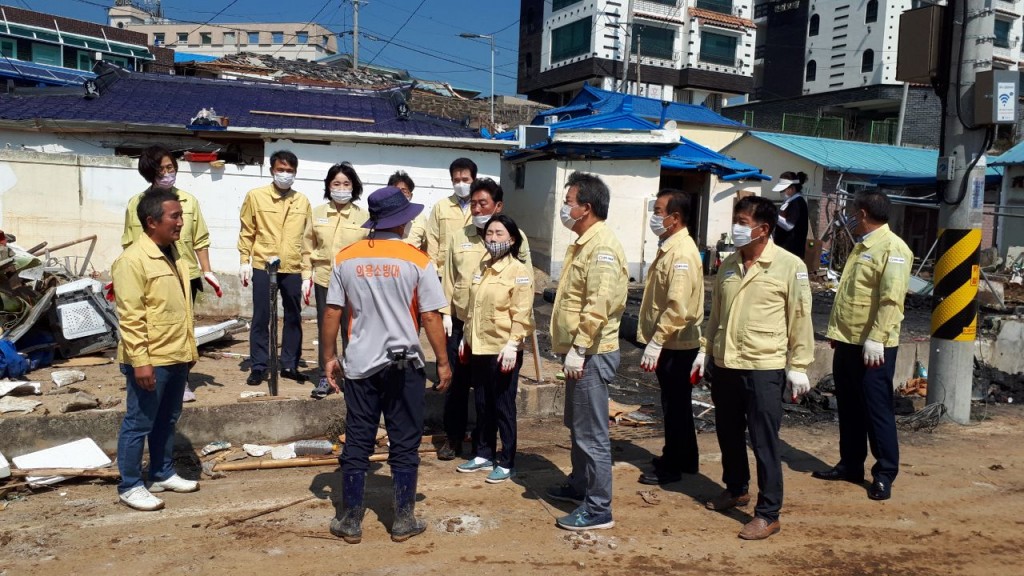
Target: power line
400, 28
308, 24
230, 4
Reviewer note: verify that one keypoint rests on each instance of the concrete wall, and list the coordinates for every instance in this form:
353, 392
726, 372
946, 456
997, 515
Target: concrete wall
1011, 230
713, 137
51, 143
61, 197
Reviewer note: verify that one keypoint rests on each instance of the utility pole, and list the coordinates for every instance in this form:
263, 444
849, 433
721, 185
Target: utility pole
954, 309
623, 86
355, 34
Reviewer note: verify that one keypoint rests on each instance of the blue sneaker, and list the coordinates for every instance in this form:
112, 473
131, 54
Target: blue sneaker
579, 520
565, 493
499, 475
475, 465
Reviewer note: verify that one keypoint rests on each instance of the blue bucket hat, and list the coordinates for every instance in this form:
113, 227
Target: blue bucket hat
390, 208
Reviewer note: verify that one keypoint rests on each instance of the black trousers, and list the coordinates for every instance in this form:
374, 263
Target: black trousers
750, 400
197, 286
290, 295
865, 402
680, 452
399, 395
495, 394
456, 398
320, 295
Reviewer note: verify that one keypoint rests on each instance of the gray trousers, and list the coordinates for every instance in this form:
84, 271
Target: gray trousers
586, 416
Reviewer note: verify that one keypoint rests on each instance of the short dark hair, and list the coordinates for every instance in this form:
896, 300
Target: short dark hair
762, 210
403, 177
150, 160
346, 169
284, 156
489, 186
875, 203
590, 190
678, 201
513, 231
462, 164
152, 204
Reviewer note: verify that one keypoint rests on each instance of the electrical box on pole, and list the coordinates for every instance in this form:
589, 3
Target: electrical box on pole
995, 96
919, 56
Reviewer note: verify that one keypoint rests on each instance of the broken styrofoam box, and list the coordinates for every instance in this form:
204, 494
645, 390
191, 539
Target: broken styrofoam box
62, 378
80, 319
207, 334
19, 387
79, 285
5, 467
84, 453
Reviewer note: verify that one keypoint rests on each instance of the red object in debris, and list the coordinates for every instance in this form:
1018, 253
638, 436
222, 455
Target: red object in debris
200, 156
3, 238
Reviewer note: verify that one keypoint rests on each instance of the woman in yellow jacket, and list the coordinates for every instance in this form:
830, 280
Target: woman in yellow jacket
499, 320
334, 226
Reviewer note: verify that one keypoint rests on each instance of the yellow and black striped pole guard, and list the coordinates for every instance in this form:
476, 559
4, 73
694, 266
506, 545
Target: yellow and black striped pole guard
954, 308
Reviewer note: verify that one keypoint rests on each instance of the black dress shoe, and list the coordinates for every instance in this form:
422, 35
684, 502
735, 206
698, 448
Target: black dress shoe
256, 377
293, 374
659, 477
880, 490
449, 451
835, 474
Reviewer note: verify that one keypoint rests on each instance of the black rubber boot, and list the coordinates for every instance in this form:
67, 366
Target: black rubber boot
406, 525
348, 524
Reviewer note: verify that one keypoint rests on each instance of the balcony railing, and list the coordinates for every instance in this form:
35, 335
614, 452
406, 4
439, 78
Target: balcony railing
721, 60
720, 6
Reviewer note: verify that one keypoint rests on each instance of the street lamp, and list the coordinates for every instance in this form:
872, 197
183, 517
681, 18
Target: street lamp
491, 38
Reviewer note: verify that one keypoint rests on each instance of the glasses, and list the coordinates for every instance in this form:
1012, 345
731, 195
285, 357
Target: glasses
165, 170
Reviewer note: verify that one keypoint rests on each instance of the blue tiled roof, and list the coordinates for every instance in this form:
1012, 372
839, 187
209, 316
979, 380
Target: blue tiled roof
173, 100
593, 100
43, 73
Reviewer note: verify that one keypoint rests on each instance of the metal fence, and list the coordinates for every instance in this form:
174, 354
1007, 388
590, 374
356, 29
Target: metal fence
820, 126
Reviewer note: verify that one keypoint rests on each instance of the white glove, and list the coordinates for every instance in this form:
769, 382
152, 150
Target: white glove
697, 368
463, 353
212, 280
649, 362
874, 354
245, 274
573, 366
307, 290
446, 321
797, 383
507, 356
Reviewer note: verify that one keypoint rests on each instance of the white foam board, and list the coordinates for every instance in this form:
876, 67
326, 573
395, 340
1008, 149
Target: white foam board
83, 453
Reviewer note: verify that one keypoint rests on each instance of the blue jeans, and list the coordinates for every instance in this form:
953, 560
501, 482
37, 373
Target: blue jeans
586, 416
152, 416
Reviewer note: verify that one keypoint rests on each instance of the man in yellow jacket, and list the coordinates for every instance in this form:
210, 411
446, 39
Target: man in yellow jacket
671, 314
761, 340
585, 327
450, 214
156, 352
416, 235
274, 219
865, 331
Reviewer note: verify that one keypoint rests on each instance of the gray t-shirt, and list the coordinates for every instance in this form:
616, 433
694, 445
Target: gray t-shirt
384, 284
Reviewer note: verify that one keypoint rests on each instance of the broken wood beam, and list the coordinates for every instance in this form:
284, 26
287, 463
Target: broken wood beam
312, 116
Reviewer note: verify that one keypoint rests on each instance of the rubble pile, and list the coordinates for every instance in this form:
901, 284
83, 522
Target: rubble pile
998, 386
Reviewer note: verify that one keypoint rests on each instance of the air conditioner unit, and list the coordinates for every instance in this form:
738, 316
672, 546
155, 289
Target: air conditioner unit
530, 135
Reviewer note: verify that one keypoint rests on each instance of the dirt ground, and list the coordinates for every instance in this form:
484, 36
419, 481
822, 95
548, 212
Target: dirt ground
957, 509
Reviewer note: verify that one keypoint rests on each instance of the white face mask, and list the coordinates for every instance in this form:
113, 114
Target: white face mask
461, 190
657, 224
284, 180
567, 220
482, 220
741, 235
341, 195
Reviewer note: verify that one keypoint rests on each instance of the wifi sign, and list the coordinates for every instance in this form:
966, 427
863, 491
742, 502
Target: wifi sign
1005, 98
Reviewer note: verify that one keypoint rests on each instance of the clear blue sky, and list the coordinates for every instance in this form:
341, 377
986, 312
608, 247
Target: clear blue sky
427, 42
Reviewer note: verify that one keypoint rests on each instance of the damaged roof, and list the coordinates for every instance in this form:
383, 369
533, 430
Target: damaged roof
592, 100
137, 98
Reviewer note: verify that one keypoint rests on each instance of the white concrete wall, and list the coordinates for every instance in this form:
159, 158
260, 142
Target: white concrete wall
51, 143
61, 197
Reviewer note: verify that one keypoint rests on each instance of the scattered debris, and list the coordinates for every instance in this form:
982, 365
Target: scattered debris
256, 450
283, 452
915, 387
83, 362
263, 512
464, 524
252, 394
80, 454
214, 447
650, 497
20, 388
80, 401
11, 404
64, 377
5, 467
926, 418
207, 334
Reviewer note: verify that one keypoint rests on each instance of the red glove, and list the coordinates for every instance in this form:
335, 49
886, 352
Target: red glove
108, 291
212, 280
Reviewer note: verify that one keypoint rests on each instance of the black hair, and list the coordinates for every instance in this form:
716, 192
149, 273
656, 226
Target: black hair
875, 203
798, 177
678, 201
346, 169
761, 209
284, 156
462, 164
513, 231
590, 190
403, 177
488, 185
150, 160
152, 205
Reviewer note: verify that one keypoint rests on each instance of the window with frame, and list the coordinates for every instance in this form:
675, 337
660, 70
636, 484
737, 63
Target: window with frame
301, 37
46, 54
654, 42
717, 48
9, 48
812, 71
720, 6
229, 38
814, 25
867, 61
85, 61
1002, 33
277, 37
559, 4
254, 37
158, 39
571, 40
871, 12
182, 37
206, 38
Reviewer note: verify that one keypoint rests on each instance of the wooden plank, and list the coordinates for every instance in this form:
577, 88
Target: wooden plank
312, 116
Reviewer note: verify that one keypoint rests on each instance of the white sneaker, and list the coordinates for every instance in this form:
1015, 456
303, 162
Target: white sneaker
140, 499
189, 395
174, 484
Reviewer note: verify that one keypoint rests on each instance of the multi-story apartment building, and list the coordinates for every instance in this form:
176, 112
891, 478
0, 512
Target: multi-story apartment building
289, 40
688, 51
43, 49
